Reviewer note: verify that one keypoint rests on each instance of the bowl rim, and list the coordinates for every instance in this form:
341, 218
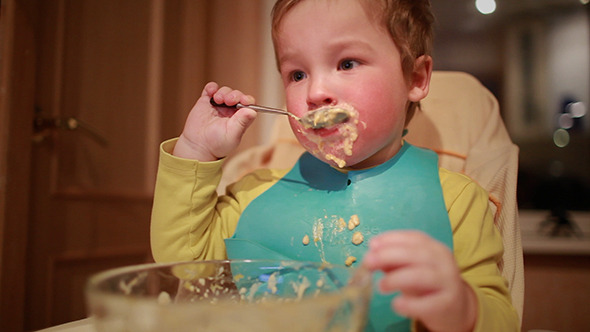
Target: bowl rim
94, 281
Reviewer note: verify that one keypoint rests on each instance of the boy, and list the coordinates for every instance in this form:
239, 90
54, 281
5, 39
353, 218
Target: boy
426, 232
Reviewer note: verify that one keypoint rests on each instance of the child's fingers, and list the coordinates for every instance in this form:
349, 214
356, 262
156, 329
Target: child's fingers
239, 122
230, 97
226, 95
397, 238
209, 89
413, 306
416, 305
223, 96
415, 281
247, 100
411, 248
394, 249
389, 258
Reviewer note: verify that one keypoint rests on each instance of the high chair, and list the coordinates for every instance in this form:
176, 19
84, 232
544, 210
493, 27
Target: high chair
460, 120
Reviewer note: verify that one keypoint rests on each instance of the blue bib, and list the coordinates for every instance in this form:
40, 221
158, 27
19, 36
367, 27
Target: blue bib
314, 201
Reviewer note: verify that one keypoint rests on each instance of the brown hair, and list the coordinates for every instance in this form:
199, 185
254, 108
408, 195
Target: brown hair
408, 22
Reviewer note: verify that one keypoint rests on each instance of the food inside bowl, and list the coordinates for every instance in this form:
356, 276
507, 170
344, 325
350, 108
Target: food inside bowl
229, 296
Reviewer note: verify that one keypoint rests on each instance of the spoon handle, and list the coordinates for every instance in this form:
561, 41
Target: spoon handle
257, 108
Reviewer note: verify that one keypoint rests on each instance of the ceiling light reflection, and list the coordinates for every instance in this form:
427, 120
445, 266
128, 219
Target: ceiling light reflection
485, 6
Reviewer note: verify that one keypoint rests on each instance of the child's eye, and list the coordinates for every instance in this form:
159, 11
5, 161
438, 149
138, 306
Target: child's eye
297, 76
348, 64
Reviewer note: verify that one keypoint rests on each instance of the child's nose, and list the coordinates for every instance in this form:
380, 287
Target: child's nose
320, 93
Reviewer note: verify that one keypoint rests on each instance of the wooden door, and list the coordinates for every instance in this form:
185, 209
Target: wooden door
93, 154
105, 81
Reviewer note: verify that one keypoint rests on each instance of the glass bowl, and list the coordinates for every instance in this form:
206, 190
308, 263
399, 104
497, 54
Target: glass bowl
216, 296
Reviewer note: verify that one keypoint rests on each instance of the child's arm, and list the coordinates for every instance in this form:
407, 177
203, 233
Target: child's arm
444, 291
211, 133
188, 220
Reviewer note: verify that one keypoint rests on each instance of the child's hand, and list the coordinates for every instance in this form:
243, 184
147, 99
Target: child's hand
211, 133
425, 272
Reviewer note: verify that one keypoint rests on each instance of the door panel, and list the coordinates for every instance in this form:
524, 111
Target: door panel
104, 82
91, 197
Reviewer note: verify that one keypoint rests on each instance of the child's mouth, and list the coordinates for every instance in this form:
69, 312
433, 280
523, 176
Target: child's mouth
325, 132
334, 143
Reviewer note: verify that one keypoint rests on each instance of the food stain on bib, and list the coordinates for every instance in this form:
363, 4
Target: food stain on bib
334, 231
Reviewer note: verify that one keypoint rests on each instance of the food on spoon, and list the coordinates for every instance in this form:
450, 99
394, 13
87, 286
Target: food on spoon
325, 117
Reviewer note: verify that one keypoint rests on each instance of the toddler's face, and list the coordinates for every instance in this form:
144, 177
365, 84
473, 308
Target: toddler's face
332, 53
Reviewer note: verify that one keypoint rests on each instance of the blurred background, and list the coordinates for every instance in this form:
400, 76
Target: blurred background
91, 87
535, 57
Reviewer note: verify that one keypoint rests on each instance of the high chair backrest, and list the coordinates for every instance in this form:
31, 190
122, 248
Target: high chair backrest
460, 120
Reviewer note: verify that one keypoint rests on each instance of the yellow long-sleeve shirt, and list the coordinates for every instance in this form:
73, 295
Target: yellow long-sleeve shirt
190, 222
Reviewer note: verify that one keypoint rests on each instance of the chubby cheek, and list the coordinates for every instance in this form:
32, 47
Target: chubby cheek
378, 126
296, 103
383, 114
367, 143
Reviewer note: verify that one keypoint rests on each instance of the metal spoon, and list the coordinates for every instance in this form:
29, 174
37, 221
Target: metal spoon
317, 119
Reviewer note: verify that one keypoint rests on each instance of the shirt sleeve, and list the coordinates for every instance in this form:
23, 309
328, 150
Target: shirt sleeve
478, 249
189, 220
184, 209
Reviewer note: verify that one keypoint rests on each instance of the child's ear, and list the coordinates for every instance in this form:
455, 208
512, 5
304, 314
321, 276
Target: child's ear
420, 83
